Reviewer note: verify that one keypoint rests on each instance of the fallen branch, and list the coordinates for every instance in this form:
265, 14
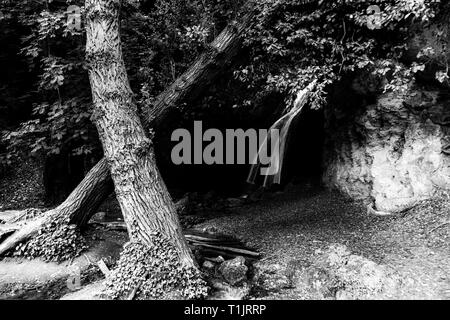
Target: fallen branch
218, 244
226, 249
223, 240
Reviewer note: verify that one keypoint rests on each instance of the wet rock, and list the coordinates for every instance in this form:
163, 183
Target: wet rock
234, 271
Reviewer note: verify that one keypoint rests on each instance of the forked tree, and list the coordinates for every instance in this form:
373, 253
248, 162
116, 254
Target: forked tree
83, 202
143, 197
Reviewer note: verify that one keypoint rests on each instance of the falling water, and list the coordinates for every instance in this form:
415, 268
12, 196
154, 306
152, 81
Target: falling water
283, 125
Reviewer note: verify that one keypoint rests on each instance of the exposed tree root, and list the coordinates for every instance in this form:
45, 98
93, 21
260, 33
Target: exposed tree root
7, 229
11, 215
21, 225
21, 232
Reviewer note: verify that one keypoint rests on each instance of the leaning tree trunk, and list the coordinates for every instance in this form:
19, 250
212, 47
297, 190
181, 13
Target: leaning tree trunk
186, 87
77, 208
83, 202
143, 197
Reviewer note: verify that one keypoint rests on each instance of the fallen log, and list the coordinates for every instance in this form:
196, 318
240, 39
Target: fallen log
211, 244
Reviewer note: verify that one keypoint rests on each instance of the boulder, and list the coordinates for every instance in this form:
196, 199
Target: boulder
271, 276
234, 271
336, 273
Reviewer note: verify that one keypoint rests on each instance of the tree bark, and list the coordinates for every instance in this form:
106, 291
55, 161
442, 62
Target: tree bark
143, 197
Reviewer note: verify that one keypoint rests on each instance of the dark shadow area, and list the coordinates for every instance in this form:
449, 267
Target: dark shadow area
302, 162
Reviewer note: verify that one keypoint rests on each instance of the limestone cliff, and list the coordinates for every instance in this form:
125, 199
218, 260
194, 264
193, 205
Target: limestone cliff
392, 153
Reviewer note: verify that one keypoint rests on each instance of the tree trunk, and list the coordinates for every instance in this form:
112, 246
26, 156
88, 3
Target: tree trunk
83, 202
77, 208
204, 70
89, 195
143, 197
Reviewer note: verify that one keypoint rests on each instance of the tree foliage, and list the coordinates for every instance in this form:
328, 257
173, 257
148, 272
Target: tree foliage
161, 38
291, 43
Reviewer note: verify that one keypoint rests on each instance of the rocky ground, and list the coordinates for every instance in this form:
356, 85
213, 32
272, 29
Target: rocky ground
315, 244
318, 245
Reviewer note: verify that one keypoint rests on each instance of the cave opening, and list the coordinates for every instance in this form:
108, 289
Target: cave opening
304, 155
302, 163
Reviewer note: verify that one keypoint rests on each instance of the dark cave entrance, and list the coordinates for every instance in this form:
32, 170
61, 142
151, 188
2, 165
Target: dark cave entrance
302, 163
304, 155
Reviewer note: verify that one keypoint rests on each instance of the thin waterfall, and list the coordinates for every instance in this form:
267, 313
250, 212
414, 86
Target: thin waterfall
283, 125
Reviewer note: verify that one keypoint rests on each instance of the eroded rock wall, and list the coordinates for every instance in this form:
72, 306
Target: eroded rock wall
392, 153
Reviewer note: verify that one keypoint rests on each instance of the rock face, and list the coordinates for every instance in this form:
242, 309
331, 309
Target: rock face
392, 153
234, 271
